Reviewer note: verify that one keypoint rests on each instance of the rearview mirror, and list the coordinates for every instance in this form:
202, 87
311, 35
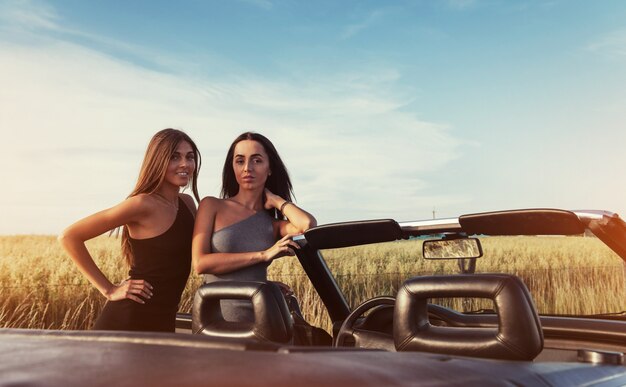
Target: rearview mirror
452, 248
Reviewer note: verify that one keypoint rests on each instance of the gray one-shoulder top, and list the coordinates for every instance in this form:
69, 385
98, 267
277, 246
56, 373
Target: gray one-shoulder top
255, 233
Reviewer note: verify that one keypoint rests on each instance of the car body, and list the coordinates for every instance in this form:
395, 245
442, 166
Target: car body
402, 339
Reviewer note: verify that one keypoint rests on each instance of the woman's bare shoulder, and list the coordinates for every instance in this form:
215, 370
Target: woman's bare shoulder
140, 202
213, 200
212, 203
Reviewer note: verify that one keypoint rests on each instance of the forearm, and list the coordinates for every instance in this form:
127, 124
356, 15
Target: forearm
221, 263
299, 218
78, 252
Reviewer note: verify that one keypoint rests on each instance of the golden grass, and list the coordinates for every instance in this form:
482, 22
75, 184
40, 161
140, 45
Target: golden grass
41, 288
565, 275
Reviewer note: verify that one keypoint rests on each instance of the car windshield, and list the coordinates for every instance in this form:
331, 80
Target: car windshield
573, 275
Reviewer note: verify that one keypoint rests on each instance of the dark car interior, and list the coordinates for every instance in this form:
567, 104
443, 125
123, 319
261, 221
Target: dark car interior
408, 322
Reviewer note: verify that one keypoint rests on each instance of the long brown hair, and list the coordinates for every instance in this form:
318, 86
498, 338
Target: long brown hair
278, 182
153, 169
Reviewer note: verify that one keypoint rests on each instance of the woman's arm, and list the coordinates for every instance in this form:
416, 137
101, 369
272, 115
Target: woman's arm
298, 220
73, 238
206, 262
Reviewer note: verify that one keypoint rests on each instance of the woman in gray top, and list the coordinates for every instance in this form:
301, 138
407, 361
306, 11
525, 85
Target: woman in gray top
237, 236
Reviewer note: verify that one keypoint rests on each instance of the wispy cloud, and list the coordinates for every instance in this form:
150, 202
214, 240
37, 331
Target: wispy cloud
371, 19
351, 148
612, 44
28, 14
35, 20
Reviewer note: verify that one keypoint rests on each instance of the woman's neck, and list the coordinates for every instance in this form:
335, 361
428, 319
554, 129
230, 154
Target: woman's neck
168, 192
252, 200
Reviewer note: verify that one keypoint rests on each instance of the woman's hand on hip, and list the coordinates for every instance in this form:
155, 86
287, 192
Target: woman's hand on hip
133, 289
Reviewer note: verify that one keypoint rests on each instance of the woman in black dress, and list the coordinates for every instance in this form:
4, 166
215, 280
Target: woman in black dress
157, 221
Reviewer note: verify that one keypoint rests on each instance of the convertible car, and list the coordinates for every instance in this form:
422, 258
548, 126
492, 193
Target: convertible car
498, 298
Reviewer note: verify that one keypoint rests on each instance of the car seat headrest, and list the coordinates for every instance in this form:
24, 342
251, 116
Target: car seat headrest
272, 320
518, 336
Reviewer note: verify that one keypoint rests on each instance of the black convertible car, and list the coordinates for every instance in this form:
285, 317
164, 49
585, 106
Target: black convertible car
461, 321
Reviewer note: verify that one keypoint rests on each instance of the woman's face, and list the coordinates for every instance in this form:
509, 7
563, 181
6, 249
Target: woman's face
251, 164
181, 166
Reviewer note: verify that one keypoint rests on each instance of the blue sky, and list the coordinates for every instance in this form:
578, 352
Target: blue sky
379, 108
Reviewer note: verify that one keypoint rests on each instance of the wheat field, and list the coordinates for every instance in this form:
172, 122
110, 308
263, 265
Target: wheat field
40, 287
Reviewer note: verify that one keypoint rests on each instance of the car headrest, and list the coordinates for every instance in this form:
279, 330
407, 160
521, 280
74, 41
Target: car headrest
272, 320
518, 337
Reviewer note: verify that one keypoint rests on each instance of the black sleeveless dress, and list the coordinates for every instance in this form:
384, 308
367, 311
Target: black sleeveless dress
164, 261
